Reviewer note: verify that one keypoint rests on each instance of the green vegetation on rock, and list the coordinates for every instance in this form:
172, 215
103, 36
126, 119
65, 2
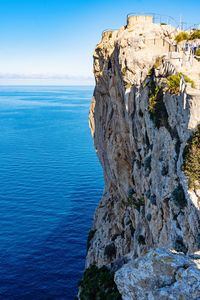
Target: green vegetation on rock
153, 100
178, 196
198, 52
179, 245
173, 83
191, 165
185, 36
141, 240
98, 284
139, 203
182, 36
195, 35
158, 62
123, 71
110, 251
188, 80
136, 203
156, 107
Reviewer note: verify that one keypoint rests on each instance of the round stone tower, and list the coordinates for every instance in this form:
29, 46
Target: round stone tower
132, 20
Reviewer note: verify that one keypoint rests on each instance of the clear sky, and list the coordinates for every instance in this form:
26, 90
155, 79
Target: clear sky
52, 41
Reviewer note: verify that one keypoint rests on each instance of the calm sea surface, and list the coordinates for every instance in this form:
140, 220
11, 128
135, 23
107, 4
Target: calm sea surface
50, 184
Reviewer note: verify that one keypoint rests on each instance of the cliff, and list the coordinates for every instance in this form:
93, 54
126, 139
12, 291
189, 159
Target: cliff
144, 119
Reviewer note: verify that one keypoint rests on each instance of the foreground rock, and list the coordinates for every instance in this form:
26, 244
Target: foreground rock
160, 274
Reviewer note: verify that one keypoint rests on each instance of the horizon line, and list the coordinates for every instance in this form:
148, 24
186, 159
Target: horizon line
59, 85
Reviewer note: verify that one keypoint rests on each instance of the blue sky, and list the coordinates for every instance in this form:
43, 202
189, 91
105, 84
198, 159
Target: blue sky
52, 41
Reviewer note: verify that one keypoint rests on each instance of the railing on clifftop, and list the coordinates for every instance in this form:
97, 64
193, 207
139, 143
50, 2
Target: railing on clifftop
157, 18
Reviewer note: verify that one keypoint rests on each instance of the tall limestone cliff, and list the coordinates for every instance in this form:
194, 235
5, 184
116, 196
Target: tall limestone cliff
144, 119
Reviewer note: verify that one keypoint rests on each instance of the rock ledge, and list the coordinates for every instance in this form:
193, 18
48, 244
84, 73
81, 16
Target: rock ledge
161, 274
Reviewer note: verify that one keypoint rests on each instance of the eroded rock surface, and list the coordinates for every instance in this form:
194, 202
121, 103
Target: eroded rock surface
141, 126
146, 202
160, 274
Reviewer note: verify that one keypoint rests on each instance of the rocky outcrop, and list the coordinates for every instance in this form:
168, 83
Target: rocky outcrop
142, 116
159, 275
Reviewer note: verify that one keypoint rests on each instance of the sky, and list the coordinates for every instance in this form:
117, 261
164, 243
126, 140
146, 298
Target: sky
52, 41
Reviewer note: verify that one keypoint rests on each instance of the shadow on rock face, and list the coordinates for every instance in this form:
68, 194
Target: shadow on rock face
141, 130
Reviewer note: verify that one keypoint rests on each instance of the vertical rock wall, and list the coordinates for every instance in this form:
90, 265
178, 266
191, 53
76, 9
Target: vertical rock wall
146, 201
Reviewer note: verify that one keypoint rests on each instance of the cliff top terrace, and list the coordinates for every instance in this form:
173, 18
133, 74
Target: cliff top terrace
181, 55
145, 18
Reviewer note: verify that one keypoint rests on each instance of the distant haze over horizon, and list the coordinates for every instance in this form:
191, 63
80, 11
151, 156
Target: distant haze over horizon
45, 79
52, 42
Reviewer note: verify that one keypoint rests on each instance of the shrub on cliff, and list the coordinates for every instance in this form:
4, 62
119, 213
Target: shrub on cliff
188, 80
184, 36
178, 196
156, 107
198, 52
98, 284
153, 100
158, 62
173, 83
195, 34
110, 251
191, 164
181, 36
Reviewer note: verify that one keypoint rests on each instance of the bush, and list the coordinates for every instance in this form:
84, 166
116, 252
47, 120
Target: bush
182, 36
141, 240
195, 34
98, 284
191, 156
198, 52
188, 80
131, 192
178, 196
173, 82
158, 62
136, 203
110, 251
153, 100
179, 246
124, 71
156, 107
139, 203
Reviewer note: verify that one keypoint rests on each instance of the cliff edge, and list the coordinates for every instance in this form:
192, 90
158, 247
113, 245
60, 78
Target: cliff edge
144, 118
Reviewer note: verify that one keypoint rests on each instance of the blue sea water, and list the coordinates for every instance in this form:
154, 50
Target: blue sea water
50, 184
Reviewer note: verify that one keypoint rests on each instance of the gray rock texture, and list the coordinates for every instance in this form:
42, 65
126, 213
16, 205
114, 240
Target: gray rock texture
146, 202
160, 274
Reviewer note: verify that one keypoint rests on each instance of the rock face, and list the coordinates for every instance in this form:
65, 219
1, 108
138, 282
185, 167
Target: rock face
159, 275
141, 126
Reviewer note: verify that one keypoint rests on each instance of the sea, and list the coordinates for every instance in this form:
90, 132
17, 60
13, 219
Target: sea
50, 184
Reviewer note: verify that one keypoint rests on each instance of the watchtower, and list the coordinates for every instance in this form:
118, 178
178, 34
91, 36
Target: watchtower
132, 20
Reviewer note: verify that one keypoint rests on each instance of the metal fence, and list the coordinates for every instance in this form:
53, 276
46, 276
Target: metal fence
164, 20
157, 18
